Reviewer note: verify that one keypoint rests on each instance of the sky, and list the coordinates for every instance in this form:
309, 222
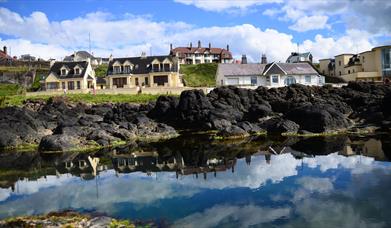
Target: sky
56, 28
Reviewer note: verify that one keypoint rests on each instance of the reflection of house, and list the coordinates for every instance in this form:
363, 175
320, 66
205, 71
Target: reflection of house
296, 57
370, 148
150, 71
268, 75
70, 76
373, 65
81, 165
197, 55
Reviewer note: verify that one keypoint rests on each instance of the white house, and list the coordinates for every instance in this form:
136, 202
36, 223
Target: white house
268, 75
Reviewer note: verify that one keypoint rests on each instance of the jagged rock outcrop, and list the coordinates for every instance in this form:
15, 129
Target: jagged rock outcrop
232, 112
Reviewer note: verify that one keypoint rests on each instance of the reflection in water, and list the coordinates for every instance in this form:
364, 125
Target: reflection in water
214, 183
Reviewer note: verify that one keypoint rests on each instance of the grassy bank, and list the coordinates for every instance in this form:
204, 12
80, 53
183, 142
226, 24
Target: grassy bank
17, 100
199, 75
10, 90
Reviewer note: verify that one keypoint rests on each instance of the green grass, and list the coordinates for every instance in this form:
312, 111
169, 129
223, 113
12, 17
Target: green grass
17, 100
10, 89
199, 75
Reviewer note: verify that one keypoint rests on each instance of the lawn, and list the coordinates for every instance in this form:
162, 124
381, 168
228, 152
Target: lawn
18, 100
10, 89
199, 75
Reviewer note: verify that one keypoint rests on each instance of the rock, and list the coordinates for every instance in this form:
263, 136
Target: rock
318, 118
278, 126
220, 124
165, 108
59, 143
233, 132
386, 105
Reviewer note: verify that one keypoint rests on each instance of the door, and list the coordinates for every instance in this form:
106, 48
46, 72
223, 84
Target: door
119, 82
160, 80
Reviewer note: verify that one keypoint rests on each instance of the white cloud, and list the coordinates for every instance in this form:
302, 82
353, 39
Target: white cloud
223, 5
112, 35
310, 23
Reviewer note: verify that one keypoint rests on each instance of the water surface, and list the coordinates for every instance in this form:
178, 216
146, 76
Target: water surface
196, 182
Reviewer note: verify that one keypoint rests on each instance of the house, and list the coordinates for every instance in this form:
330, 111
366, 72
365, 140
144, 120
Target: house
199, 54
296, 57
101, 83
85, 56
373, 65
268, 75
70, 76
149, 71
27, 58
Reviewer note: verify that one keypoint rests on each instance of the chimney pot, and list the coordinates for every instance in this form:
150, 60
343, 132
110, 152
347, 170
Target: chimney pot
244, 59
227, 47
210, 46
5, 50
170, 47
191, 45
199, 44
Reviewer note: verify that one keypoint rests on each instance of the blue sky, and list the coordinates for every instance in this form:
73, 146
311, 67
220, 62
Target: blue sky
275, 27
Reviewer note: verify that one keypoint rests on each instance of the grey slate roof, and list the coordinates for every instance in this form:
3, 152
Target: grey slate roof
142, 65
241, 69
297, 68
259, 69
56, 69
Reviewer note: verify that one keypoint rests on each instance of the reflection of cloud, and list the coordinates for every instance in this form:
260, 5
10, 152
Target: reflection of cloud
359, 164
309, 185
235, 216
331, 213
4, 193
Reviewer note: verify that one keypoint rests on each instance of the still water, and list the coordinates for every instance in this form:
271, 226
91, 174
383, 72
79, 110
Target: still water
193, 181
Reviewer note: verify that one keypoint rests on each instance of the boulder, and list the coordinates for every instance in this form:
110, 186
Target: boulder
59, 143
318, 118
278, 126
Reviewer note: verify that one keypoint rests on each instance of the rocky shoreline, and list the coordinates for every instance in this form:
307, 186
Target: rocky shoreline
230, 112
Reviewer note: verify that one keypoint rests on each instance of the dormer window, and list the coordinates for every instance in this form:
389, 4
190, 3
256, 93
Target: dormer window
77, 71
117, 69
127, 69
63, 72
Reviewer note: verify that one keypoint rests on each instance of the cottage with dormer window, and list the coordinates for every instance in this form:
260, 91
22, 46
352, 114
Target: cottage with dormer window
149, 71
70, 76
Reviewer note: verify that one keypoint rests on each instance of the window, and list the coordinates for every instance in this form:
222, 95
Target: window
136, 81
348, 71
275, 79
353, 70
340, 73
63, 72
71, 85
308, 79
339, 62
117, 69
63, 85
155, 67
166, 67
78, 84
290, 81
52, 85
146, 81
119, 82
254, 81
363, 59
127, 69
77, 71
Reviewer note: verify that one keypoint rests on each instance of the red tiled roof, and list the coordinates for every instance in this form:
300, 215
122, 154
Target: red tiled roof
3, 55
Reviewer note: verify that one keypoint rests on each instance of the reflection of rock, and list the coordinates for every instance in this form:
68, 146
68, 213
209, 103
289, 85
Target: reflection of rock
321, 145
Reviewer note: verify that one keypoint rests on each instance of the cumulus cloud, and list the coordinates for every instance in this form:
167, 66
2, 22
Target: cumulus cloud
111, 35
310, 23
223, 5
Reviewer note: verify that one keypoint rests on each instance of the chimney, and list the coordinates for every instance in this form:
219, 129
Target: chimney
244, 59
199, 44
210, 46
5, 50
227, 47
143, 55
191, 45
263, 59
170, 47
